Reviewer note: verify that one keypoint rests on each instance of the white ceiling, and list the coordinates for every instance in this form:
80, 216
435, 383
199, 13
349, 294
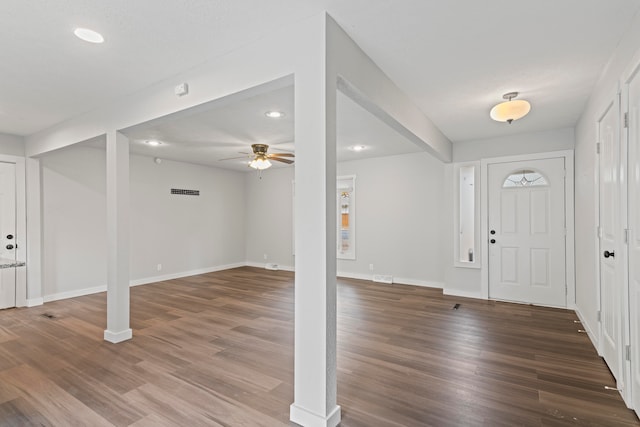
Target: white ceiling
210, 136
454, 58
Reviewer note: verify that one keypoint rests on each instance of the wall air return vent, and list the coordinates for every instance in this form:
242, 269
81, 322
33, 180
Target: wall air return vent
185, 192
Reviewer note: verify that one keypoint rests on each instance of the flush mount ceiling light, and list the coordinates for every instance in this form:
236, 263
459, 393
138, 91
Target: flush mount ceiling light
510, 110
88, 35
274, 114
357, 148
153, 142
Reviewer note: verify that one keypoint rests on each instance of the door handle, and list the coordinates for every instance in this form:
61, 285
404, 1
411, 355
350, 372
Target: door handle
9, 247
492, 241
608, 254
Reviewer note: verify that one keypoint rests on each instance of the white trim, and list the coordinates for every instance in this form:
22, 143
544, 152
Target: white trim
263, 265
569, 218
477, 262
358, 276
308, 419
179, 275
593, 337
146, 281
116, 337
74, 293
396, 280
463, 294
416, 282
34, 302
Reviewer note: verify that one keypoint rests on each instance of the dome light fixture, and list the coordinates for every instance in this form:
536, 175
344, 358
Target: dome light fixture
88, 35
510, 110
274, 114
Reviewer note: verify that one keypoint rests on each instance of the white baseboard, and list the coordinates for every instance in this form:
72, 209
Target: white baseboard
396, 280
306, 418
463, 294
116, 337
263, 265
590, 333
137, 282
415, 282
153, 279
34, 302
357, 276
74, 293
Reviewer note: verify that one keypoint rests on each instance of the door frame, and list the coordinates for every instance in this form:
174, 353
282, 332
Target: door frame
630, 394
21, 226
568, 213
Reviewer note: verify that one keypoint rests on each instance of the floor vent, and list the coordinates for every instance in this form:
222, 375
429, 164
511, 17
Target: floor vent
185, 192
381, 278
48, 315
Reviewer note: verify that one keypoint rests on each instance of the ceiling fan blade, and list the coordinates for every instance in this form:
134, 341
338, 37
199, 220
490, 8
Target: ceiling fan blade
278, 159
233, 158
281, 155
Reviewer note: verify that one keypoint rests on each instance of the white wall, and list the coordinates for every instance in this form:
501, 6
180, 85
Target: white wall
73, 222
11, 145
467, 281
586, 179
398, 218
269, 217
186, 234
512, 145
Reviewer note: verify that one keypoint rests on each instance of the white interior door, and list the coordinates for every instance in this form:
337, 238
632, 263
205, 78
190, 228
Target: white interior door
7, 228
527, 232
634, 236
611, 274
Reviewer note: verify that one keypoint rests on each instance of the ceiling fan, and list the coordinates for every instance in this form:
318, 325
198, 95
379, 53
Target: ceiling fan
261, 159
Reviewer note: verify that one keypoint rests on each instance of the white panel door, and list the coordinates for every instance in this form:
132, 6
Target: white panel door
611, 279
7, 233
527, 232
634, 236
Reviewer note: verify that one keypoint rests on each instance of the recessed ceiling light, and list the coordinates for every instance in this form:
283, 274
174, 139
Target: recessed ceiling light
88, 35
274, 114
153, 142
358, 148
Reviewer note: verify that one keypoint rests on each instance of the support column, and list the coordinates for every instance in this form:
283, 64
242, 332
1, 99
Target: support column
34, 232
315, 242
118, 329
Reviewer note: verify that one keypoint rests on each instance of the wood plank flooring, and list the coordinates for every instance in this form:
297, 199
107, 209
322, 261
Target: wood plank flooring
217, 350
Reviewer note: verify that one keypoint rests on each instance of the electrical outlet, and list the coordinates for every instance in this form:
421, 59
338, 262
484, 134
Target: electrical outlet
371, 267
265, 256
159, 267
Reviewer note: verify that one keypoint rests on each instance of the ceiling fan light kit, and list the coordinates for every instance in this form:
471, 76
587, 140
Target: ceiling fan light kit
510, 110
260, 163
262, 159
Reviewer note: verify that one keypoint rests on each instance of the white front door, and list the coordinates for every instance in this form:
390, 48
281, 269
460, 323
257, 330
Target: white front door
634, 236
611, 279
527, 232
7, 228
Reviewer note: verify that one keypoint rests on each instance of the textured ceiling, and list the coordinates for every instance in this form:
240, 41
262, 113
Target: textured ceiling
454, 58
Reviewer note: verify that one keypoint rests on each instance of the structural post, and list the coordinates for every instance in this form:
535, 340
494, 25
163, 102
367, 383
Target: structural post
117, 238
34, 232
315, 242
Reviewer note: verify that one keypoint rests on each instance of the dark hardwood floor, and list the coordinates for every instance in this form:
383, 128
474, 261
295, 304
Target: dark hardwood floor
217, 350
